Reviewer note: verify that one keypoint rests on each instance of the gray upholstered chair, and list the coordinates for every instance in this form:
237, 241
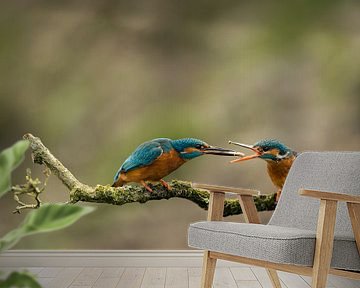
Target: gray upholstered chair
310, 232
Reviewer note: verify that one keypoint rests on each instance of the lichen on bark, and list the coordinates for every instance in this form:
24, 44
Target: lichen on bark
133, 193
180, 189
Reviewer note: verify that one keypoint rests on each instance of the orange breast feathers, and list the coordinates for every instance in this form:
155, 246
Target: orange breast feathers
278, 171
161, 167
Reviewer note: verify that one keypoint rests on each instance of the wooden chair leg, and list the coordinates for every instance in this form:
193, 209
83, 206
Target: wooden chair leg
208, 271
215, 213
354, 212
251, 216
324, 243
274, 278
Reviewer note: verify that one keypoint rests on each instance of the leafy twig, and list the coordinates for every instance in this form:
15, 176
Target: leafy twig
31, 188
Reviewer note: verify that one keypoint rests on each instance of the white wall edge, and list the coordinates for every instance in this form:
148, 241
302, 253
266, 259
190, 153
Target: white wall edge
105, 258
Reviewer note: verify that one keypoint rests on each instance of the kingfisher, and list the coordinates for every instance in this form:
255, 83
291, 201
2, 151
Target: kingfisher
157, 158
278, 156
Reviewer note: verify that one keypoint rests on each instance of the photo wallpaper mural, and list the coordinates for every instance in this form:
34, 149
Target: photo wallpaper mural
96, 79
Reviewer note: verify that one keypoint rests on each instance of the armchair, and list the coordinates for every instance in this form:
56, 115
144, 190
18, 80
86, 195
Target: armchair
312, 232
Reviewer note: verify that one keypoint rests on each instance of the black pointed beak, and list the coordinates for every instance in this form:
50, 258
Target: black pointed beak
221, 151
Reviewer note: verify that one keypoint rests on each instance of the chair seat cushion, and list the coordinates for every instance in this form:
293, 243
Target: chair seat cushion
270, 243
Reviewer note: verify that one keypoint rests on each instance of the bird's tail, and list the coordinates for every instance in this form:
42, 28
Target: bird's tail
118, 183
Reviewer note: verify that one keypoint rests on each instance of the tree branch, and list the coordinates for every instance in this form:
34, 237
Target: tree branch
130, 194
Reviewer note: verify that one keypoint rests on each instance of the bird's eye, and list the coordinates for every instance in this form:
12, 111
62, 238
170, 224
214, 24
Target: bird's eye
265, 149
199, 146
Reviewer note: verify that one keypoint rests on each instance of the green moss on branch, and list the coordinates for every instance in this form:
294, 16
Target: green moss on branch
130, 194
180, 189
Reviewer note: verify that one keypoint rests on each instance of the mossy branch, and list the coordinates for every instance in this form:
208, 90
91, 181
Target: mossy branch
130, 194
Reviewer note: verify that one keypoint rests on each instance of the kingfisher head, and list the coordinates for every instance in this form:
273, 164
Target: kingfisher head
190, 148
270, 150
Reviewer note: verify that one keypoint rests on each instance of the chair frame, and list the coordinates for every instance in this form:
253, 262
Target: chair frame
324, 235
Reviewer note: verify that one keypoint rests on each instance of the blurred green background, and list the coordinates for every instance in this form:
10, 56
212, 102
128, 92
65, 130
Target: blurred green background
94, 79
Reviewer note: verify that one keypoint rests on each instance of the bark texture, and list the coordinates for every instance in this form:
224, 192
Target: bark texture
133, 193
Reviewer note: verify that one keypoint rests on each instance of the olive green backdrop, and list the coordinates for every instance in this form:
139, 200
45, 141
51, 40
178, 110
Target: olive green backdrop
94, 79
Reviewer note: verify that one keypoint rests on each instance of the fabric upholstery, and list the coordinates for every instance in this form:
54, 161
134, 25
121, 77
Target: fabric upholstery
270, 243
326, 171
290, 235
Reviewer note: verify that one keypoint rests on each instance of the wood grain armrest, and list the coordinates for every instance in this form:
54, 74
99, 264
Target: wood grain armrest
330, 196
217, 198
226, 189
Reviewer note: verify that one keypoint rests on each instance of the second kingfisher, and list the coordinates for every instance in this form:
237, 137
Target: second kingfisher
278, 156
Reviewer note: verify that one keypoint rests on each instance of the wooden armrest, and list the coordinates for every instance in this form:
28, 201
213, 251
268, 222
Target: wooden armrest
226, 189
217, 197
330, 196
327, 213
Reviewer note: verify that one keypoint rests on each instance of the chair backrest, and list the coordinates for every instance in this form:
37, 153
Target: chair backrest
326, 171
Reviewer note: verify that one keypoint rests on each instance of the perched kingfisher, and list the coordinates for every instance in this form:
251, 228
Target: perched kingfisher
157, 158
278, 156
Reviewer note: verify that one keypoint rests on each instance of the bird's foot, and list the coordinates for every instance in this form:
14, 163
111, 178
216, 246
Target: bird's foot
146, 186
165, 184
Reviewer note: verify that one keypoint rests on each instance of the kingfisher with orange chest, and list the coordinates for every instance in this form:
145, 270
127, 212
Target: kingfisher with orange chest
278, 156
157, 158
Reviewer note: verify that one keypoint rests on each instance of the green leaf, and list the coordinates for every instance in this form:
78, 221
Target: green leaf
20, 280
11, 238
48, 217
54, 216
10, 158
